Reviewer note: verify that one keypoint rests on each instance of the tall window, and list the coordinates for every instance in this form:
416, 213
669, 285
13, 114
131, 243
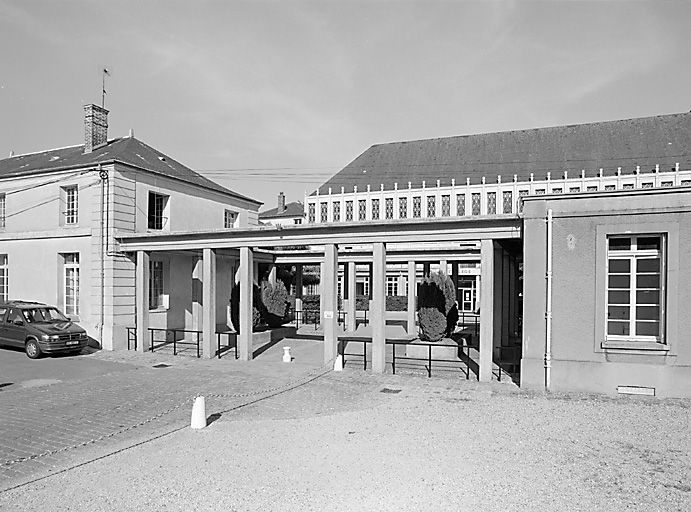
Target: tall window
4, 275
229, 219
635, 288
155, 284
2, 211
71, 205
392, 285
158, 204
71, 280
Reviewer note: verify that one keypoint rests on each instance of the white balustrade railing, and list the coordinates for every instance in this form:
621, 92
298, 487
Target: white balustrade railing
464, 200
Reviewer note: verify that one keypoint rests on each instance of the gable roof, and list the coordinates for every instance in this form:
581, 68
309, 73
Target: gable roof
663, 140
294, 209
125, 150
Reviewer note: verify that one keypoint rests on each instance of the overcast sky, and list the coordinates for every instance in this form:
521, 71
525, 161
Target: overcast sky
281, 95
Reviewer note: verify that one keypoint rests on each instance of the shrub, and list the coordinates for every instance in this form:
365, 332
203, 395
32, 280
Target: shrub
274, 298
396, 303
235, 307
362, 303
436, 299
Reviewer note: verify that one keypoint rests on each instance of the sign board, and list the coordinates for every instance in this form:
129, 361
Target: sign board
328, 314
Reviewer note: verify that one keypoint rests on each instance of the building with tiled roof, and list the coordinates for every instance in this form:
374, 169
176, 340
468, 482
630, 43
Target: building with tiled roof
283, 214
646, 142
61, 211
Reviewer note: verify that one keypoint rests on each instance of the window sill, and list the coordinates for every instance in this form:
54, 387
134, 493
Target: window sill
648, 346
160, 309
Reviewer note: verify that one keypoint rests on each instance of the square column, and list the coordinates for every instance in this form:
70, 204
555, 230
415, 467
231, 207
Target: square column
244, 339
351, 316
378, 312
329, 296
209, 303
486, 310
412, 293
298, 288
142, 301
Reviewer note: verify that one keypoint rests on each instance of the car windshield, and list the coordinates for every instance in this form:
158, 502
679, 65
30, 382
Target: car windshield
38, 315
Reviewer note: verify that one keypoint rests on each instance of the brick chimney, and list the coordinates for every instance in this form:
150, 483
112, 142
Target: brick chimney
95, 127
281, 202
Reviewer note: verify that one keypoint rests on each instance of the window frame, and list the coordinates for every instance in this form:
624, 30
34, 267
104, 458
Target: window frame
155, 218
4, 277
3, 210
230, 219
669, 317
71, 294
157, 284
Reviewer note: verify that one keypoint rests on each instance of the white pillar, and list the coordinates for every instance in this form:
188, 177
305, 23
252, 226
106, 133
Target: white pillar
412, 289
486, 310
352, 297
322, 306
378, 312
209, 304
329, 296
142, 301
244, 339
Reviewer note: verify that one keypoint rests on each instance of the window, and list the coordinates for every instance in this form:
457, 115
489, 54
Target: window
349, 211
362, 209
507, 205
229, 219
4, 275
445, 206
391, 285
389, 207
491, 203
475, 203
635, 288
460, 205
337, 211
71, 282
2, 211
311, 213
155, 284
417, 207
403, 207
431, 206
375, 209
158, 210
70, 200
297, 221
324, 210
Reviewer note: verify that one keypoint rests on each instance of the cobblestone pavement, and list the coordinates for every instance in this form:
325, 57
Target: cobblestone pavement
49, 428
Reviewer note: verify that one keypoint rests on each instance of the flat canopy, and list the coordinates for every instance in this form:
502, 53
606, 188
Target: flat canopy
494, 227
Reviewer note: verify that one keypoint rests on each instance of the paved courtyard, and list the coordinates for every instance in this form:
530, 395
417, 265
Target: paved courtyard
299, 436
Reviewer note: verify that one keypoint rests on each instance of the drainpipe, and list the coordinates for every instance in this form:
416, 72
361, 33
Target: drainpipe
103, 174
548, 306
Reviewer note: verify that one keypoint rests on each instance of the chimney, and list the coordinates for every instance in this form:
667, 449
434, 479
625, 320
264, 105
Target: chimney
281, 202
95, 127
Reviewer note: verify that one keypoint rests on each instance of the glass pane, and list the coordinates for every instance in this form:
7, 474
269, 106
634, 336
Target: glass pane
618, 297
619, 266
619, 281
618, 312
648, 243
648, 265
618, 328
619, 244
648, 281
647, 328
647, 297
648, 313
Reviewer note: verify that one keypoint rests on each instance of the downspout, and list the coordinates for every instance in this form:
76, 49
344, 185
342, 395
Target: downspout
103, 174
548, 305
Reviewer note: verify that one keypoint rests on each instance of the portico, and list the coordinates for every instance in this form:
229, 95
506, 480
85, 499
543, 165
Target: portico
379, 239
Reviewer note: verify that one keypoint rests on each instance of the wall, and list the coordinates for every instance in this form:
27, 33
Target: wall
581, 222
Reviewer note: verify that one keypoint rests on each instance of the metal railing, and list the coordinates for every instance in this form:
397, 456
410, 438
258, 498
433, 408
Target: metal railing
430, 360
176, 343
220, 350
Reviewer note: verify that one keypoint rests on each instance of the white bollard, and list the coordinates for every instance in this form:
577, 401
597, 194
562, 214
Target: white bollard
198, 413
286, 355
338, 363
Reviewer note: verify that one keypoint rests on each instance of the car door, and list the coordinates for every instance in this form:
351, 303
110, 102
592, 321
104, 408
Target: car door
14, 328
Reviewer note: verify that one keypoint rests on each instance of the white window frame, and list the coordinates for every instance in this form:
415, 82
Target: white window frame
71, 283
4, 278
3, 203
230, 219
392, 285
156, 284
70, 203
633, 255
159, 217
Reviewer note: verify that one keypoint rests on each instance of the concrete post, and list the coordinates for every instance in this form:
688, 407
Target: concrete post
272, 273
197, 308
244, 339
352, 297
329, 315
209, 304
486, 310
378, 312
142, 301
444, 267
298, 288
425, 269
412, 292
322, 305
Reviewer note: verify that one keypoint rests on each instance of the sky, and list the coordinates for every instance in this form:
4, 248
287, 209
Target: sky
277, 96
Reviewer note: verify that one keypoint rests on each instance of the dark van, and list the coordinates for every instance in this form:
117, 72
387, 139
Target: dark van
39, 329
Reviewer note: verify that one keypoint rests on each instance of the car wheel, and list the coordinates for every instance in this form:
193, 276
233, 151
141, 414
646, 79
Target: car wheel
32, 349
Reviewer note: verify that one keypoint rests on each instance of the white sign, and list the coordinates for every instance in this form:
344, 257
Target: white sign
328, 314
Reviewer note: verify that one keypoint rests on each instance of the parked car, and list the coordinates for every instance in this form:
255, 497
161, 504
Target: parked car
39, 329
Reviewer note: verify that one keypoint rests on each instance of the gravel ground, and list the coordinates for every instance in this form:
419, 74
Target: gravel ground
340, 443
